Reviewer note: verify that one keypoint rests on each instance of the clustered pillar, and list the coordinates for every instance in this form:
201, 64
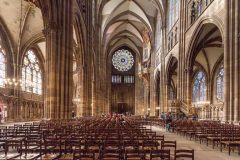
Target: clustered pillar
58, 30
231, 62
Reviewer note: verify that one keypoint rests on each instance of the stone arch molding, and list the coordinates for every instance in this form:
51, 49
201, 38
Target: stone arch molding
204, 21
171, 59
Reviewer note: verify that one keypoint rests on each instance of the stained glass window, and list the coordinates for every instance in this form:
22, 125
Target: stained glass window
116, 79
220, 83
31, 74
123, 60
173, 12
199, 87
2, 67
128, 79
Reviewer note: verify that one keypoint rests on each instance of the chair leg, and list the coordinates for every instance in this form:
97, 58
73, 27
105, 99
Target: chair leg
229, 150
238, 149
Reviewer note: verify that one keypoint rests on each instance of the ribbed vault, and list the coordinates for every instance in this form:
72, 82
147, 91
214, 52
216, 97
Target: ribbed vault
123, 22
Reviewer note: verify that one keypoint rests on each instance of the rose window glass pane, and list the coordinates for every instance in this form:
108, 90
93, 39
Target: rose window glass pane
123, 60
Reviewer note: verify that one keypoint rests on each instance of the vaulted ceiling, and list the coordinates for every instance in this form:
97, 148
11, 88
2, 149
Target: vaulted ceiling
23, 22
123, 21
209, 48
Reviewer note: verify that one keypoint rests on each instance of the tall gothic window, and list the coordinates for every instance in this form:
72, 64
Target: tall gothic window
173, 12
199, 87
2, 66
31, 74
220, 83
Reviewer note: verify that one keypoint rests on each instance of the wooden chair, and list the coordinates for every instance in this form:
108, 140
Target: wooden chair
160, 154
179, 154
169, 144
134, 154
32, 147
83, 154
159, 138
51, 145
149, 145
110, 154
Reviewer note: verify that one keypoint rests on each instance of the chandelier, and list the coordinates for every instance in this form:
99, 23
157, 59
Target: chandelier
76, 100
12, 82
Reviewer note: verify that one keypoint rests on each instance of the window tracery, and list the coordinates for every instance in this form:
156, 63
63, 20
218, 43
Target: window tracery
2, 66
173, 12
199, 87
220, 83
196, 8
31, 74
123, 60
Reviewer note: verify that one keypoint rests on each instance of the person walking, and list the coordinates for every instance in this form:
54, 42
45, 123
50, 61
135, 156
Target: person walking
168, 122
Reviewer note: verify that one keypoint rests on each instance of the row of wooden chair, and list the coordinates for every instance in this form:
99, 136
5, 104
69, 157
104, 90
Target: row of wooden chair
223, 135
87, 138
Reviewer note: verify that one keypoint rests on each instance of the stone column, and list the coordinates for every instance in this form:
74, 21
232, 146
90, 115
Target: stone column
189, 86
181, 92
20, 110
146, 97
39, 113
41, 107
93, 105
81, 104
9, 111
34, 111
23, 110
231, 61
31, 111
236, 115
58, 30
163, 88
27, 111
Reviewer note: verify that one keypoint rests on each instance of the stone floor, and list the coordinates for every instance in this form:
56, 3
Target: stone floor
202, 152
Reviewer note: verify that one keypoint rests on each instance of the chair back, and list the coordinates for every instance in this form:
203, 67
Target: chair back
184, 154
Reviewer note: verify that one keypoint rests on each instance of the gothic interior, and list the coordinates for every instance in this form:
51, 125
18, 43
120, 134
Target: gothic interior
141, 57
64, 59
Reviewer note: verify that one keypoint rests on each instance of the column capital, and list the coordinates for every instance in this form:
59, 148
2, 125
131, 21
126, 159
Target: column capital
51, 26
